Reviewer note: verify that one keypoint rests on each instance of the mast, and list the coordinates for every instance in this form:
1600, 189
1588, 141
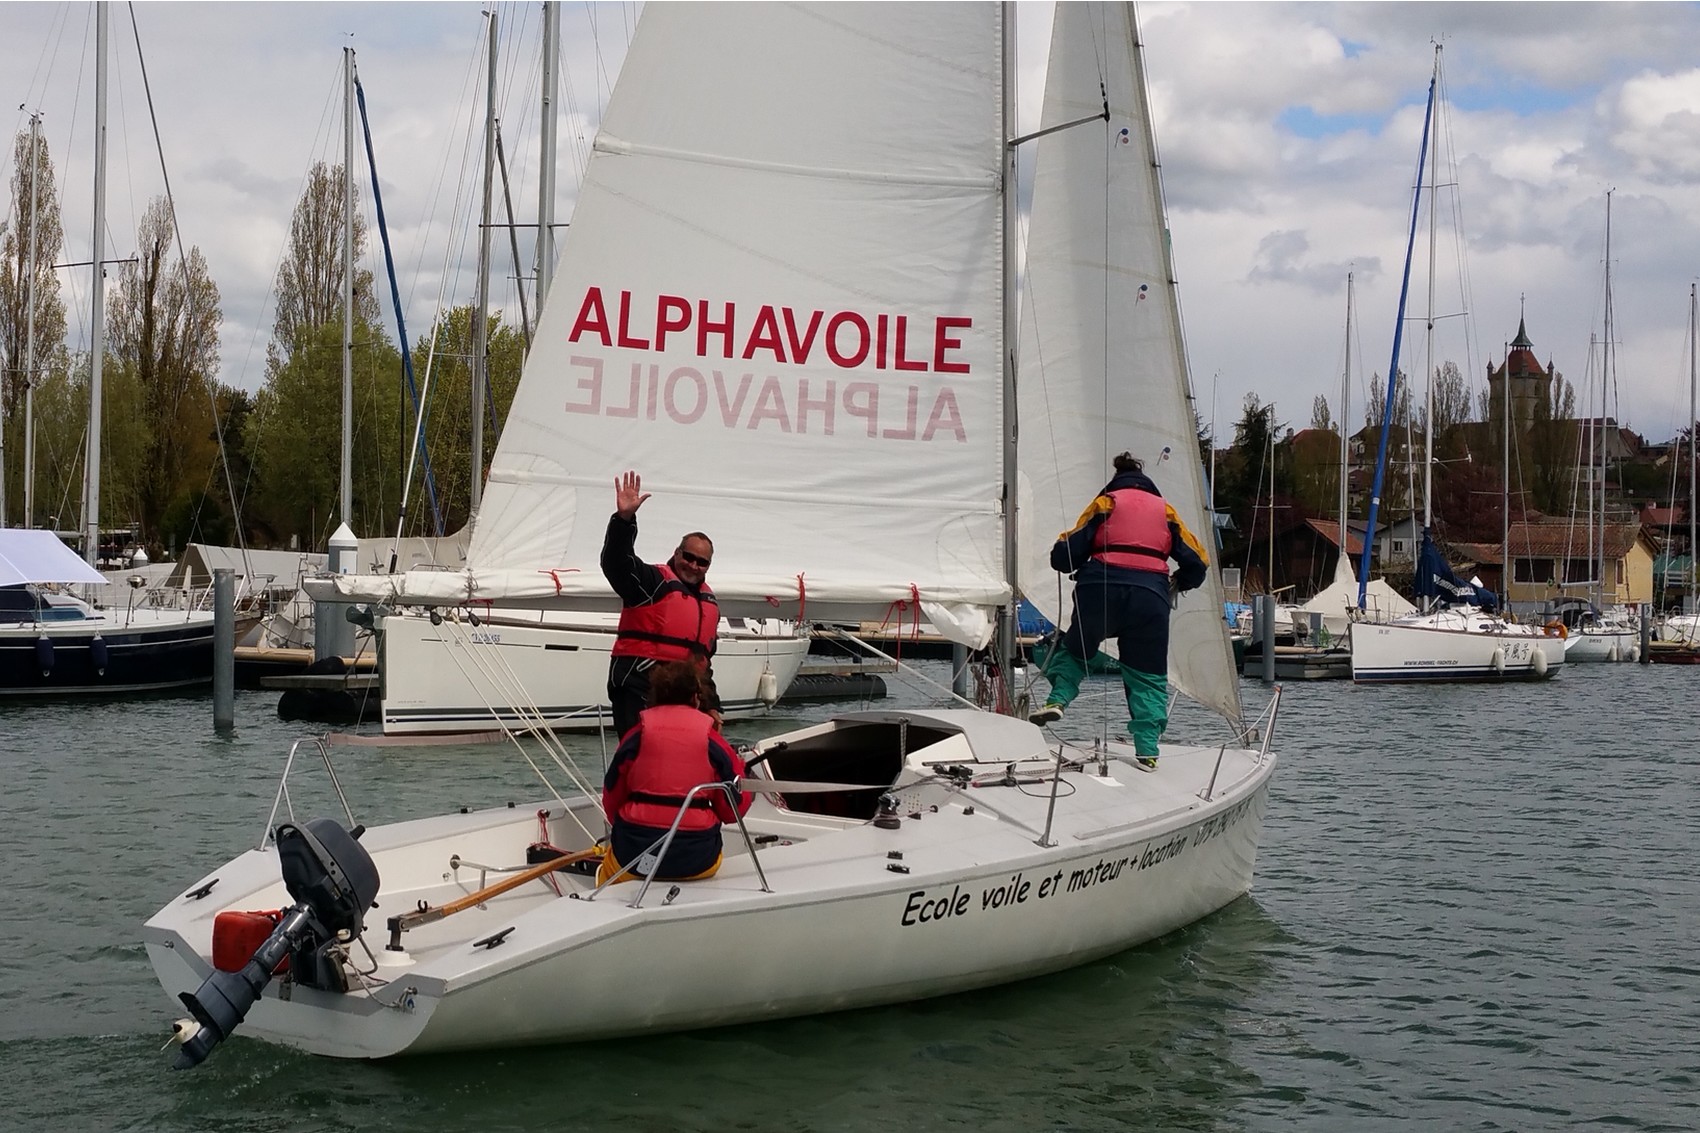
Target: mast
97, 334
1428, 378
481, 312
1609, 362
1693, 416
1505, 564
1393, 366
1269, 582
1345, 402
347, 475
29, 328
1011, 320
546, 172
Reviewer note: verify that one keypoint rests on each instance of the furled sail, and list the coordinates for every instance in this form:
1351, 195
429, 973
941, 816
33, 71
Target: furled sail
1102, 363
779, 302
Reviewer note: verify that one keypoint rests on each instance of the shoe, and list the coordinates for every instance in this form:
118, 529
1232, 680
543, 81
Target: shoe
1049, 714
1149, 762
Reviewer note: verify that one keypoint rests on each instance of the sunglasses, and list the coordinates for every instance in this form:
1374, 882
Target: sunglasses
695, 560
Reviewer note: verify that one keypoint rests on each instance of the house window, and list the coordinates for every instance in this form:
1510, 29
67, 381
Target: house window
1398, 546
1578, 570
1617, 572
1532, 570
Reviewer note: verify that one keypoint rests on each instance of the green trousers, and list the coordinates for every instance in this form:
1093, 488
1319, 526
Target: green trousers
1147, 697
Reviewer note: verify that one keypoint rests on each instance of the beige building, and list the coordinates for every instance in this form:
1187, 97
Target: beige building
1551, 560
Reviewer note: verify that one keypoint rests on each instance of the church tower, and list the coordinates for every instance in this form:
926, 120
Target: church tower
1530, 384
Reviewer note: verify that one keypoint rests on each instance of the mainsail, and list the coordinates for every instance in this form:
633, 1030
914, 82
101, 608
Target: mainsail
780, 302
1102, 362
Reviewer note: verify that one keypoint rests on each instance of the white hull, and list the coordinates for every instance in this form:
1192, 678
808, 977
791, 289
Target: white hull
1603, 645
957, 897
518, 670
1449, 646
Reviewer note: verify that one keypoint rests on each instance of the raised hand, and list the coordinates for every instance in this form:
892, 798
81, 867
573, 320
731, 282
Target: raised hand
628, 495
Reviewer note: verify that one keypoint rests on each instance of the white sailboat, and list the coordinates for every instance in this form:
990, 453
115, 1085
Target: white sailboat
834, 176
1452, 639
1601, 629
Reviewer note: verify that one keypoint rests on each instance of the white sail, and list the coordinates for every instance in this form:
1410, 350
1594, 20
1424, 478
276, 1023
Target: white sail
779, 302
1102, 364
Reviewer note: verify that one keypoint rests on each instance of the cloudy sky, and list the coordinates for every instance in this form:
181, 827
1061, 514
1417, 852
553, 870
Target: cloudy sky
1289, 135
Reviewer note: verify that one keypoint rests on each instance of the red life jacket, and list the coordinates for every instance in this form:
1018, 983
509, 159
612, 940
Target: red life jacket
672, 757
673, 626
1135, 535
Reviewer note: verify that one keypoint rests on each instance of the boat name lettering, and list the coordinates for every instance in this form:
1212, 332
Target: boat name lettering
922, 909
687, 395
847, 339
1220, 823
483, 637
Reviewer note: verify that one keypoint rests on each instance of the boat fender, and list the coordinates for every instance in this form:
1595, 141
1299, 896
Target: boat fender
1540, 661
1498, 661
44, 654
97, 654
767, 688
1556, 629
1634, 653
1612, 655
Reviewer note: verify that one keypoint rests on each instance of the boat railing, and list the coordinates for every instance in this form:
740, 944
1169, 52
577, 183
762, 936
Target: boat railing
659, 848
283, 800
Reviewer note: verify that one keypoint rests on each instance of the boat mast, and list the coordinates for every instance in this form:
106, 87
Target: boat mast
481, 312
1398, 337
1345, 402
97, 333
1505, 565
1428, 378
347, 475
546, 172
29, 328
1006, 643
1693, 416
1608, 363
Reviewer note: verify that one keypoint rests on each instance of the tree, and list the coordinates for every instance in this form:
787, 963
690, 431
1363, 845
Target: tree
293, 436
309, 281
449, 417
32, 166
293, 439
163, 318
1319, 415
1552, 447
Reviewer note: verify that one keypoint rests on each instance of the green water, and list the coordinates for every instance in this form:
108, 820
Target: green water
1475, 908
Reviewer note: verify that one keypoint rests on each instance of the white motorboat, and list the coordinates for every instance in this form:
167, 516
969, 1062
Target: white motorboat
837, 159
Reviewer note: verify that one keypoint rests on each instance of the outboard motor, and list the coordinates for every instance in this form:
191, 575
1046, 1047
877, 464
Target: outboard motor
333, 881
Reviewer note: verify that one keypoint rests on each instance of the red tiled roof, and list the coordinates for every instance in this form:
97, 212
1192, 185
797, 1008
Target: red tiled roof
1330, 530
1566, 540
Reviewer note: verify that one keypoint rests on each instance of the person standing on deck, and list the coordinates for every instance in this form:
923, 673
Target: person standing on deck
1118, 554
667, 611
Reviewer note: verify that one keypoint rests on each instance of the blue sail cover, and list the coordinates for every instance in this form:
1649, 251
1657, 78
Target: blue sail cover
1436, 580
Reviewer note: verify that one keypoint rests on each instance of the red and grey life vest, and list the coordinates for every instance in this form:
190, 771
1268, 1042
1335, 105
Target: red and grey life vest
672, 757
675, 625
1135, 535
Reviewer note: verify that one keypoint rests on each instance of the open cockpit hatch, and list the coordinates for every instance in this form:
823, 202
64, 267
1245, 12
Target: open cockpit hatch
850, 751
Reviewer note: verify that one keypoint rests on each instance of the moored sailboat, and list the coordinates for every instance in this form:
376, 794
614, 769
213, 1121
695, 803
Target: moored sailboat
887, 856
1459, 634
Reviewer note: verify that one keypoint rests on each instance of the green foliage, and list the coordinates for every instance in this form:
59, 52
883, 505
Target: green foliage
449, 413
293, 440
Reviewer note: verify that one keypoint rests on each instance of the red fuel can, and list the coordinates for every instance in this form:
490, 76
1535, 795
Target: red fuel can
237, 936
